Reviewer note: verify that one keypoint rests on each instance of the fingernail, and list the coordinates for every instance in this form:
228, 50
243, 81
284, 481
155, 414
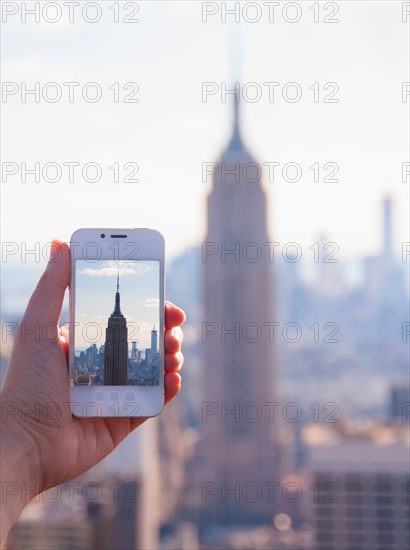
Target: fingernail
55, 251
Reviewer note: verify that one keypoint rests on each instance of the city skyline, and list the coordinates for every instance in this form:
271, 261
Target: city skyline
111, 364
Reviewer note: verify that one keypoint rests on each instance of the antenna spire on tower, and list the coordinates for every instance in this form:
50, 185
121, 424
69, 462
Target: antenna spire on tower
117, 310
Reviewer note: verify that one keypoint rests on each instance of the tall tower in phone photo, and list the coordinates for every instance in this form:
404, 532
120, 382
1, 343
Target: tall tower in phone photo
154, 340
116, 346
240, 441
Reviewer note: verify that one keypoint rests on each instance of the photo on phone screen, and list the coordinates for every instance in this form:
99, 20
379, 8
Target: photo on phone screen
116, 339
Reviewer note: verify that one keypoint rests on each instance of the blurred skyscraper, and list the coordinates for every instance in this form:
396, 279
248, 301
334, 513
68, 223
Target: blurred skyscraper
399, 403
238, 446
387, 298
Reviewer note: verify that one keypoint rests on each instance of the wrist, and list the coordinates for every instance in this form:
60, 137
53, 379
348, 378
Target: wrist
20, 472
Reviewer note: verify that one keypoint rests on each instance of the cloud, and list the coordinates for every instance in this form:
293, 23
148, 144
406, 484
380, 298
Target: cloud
151, 302
111, 268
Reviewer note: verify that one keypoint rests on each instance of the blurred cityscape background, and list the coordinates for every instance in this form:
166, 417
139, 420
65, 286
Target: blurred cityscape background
292, 427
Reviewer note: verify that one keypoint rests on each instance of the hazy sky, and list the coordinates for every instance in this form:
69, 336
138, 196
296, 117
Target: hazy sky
96, 286
170, 53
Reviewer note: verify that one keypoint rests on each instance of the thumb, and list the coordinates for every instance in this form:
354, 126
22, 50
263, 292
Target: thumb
47, 299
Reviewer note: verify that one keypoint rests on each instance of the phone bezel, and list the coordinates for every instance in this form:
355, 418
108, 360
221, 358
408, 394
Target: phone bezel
149, 400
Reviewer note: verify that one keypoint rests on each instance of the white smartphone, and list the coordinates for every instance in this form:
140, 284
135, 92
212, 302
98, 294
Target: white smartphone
116, 321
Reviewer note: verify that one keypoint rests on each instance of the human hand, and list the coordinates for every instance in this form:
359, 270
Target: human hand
43, 444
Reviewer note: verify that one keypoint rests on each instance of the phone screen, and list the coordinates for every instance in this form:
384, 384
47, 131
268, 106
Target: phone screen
117, 321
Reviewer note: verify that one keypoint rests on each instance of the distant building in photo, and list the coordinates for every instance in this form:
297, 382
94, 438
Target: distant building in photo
154, 340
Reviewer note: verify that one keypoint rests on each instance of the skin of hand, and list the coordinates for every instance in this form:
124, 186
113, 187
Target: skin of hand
42, 443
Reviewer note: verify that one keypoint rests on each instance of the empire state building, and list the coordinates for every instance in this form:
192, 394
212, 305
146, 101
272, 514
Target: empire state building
116, 346
239, 445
